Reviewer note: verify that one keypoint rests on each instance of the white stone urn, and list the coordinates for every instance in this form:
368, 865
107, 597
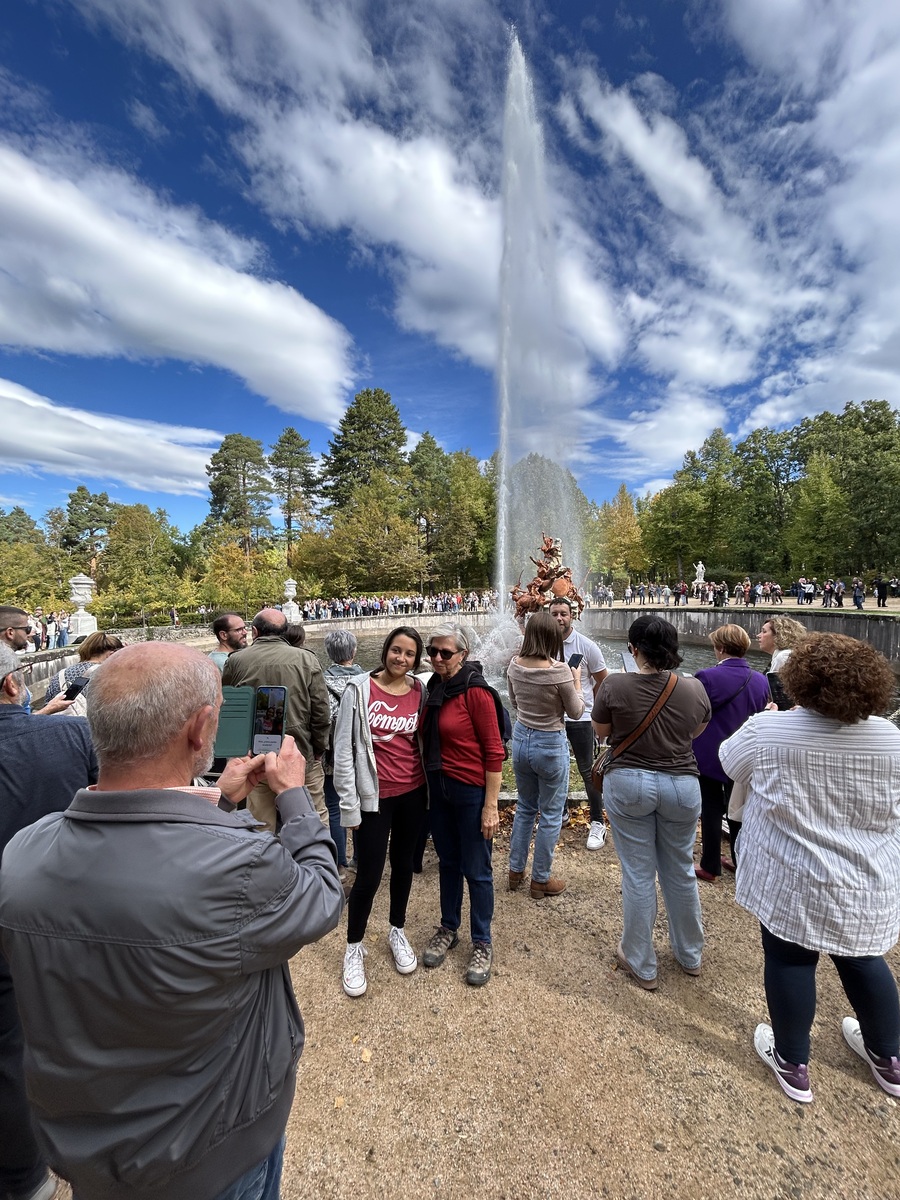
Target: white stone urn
291, 608
81, 593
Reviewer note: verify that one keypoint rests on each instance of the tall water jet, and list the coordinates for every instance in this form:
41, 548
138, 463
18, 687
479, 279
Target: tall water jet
536, 490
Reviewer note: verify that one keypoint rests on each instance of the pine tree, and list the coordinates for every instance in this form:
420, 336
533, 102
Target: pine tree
240, 488
370, 438
294, 480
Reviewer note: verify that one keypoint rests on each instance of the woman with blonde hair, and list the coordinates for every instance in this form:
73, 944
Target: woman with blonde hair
735, 693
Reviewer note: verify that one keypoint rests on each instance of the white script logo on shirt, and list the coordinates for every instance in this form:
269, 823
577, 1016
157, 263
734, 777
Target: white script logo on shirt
385, 726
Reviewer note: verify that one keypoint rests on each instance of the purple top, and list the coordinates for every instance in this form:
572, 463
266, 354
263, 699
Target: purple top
722, 683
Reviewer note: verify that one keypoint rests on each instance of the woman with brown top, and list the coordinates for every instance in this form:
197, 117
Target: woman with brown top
544, 691
652, 798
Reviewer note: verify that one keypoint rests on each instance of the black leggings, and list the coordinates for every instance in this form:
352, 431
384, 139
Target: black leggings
790, 977
714, 797
398, 822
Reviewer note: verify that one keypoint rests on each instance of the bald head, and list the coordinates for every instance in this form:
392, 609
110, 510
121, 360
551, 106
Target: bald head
141, 698
269, 622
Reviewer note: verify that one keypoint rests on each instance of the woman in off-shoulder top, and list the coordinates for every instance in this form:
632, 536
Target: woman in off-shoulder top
544, 691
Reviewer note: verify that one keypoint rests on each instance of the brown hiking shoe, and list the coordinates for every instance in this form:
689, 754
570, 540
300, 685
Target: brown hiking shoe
515, 880
550, 887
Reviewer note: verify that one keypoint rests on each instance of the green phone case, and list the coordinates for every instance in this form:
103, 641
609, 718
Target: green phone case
235, 722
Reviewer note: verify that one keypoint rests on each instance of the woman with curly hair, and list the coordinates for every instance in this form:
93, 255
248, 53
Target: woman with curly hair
778, 636
820, 865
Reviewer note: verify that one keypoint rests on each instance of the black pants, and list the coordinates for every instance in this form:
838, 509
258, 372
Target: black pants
581, 739
398, 823
22, 1166
714, 797
790, 978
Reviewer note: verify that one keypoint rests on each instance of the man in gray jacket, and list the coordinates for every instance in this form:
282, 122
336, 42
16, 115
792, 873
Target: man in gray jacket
148, 929
270, 660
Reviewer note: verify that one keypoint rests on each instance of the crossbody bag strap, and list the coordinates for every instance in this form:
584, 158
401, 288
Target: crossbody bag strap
734, 696
650, 717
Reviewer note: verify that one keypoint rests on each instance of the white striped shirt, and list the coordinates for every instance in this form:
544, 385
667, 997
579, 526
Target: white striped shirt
820, 845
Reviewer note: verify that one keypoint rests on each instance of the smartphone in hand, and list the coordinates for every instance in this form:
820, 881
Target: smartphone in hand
75, 689
576, 660
268, 721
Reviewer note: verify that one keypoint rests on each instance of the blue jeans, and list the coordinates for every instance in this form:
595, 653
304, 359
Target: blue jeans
262, 1182
337, 831
654, 822
541, 764
463, 853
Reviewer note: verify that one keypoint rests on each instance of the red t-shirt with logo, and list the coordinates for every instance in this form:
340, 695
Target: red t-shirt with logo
394, 722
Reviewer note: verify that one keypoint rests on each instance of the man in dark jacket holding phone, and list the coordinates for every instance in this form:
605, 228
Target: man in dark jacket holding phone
148, 929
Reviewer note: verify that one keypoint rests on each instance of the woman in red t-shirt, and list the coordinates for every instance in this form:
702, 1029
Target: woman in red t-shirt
379, 778
463, 758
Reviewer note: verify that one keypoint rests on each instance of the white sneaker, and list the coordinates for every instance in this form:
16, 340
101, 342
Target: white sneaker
354, 974
885, 1070
596, 838
404, 956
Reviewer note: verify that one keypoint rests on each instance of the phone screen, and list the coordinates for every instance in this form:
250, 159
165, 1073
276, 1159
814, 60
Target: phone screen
75, 689
576, 660
268, 720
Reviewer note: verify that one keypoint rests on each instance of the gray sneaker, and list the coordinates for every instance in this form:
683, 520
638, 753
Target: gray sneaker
441, 942
885, 1070
480, 964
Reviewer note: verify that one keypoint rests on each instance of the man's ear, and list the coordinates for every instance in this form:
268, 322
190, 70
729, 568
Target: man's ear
196, 725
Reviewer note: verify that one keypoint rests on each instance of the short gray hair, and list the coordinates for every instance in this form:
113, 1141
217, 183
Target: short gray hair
130, 726
341, 645
450, 629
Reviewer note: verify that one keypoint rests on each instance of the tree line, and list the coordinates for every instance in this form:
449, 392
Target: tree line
373, 517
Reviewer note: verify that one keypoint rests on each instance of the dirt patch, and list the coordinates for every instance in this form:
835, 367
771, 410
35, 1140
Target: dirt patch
561, 1077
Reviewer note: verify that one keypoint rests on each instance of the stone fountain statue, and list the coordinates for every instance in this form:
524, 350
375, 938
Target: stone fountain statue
81, 592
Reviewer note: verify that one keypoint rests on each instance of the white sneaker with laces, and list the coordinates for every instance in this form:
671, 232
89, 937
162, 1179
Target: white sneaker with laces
404, 956
596, 838
354, 975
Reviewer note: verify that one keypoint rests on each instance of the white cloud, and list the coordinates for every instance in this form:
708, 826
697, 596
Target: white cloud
145, 119
146, 455
95, 264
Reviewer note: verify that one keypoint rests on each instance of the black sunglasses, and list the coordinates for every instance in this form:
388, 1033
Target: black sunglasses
446, 655
25, 668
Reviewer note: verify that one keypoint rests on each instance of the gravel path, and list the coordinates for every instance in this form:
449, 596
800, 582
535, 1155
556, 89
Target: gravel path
561, 1077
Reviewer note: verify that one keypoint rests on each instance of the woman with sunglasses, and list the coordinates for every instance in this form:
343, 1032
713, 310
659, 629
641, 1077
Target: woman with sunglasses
463, 758
544, 691
379, 778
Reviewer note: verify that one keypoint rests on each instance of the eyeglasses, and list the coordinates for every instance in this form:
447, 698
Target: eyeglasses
16, 626
446, 655
25, 668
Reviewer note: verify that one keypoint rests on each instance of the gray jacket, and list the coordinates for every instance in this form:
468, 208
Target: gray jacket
355, 776
148, 935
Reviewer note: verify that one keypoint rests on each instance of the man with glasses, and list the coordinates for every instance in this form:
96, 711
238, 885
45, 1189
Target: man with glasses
13, 628
42, 766
231, 635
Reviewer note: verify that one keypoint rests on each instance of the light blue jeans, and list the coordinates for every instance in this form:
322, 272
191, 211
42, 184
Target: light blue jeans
654, 822
541, 764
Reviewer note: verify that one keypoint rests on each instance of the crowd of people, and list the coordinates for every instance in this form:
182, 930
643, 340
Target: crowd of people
166, 877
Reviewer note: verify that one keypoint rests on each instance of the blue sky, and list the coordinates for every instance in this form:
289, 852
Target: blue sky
230, 215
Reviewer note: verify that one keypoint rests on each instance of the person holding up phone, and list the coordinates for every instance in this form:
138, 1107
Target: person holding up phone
544, 691
379, 778
73, 681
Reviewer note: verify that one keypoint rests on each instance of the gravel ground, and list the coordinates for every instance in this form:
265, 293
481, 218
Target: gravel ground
561, 1077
